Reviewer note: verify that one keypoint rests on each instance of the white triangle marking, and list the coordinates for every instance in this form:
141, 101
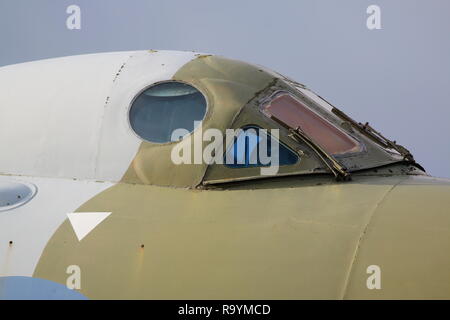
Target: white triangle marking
84, 222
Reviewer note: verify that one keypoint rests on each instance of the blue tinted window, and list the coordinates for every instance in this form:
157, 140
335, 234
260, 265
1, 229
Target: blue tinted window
247, 149
165, 107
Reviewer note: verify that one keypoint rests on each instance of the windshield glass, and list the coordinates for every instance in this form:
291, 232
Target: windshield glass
294, 114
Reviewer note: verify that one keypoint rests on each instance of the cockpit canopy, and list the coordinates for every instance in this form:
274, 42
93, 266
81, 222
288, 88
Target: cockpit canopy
214, 93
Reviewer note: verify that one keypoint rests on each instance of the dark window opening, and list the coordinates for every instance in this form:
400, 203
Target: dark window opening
250, 150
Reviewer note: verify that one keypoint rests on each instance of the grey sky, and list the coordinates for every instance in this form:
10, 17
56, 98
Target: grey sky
397, 78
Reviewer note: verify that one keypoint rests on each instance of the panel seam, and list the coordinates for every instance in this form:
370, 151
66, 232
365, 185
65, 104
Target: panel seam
361, 236
105, 105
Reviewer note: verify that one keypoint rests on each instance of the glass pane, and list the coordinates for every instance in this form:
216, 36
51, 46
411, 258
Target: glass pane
295, 114
246, 149
165, 107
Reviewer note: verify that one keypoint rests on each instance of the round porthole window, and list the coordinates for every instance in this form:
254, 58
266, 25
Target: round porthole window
14, 194
161, 109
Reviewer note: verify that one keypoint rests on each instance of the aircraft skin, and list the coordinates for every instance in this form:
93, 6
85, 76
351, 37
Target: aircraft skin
199, 231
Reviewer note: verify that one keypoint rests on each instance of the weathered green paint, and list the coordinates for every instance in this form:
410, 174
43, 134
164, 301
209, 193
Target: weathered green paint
285, 241
171, 236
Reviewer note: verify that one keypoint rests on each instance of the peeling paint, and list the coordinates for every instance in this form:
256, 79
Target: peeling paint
119, 71
200, 56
